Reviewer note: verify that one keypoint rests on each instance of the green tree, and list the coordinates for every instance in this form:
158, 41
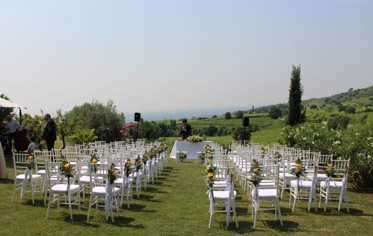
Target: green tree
149, 130
228, 115
275, 112
296, 113
83, 136
239, 115
103, 118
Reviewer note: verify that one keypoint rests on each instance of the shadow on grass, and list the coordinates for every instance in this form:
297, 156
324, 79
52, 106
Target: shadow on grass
149, 198
137, 208
6, 181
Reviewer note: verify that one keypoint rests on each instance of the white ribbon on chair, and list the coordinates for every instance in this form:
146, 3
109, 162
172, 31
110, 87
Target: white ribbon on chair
108, 199
210, 192
69, 197
255, 197
343, 189
28, 173
312, 190
148, 172
327, 184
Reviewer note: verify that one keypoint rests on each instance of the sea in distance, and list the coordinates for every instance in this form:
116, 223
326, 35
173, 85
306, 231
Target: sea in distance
181, 114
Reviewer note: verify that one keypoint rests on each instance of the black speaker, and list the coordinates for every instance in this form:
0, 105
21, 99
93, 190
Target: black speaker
137, 116
245, 121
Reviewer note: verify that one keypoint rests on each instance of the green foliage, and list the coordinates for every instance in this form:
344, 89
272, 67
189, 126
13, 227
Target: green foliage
354, 143
275, 112
350, 110
103, 118
239, 115
35, 126
241, 134
149, 130
296, 115
83, 136
228, 115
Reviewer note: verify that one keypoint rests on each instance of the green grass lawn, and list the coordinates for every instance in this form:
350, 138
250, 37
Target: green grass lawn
177, 204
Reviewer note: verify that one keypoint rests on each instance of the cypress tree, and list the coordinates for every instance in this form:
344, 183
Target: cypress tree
295, 116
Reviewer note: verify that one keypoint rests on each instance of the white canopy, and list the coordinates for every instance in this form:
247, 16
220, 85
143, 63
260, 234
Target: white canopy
6, 103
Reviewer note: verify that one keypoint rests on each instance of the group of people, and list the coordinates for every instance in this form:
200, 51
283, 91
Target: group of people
8, 130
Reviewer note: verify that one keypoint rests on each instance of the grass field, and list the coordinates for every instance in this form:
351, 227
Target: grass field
177, 204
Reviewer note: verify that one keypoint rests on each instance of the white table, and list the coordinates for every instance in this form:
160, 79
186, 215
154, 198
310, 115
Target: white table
191, 148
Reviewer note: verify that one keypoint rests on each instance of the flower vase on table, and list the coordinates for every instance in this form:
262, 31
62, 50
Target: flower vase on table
182, 156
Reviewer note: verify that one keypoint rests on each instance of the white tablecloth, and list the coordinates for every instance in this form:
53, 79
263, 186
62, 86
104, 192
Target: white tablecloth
191, 148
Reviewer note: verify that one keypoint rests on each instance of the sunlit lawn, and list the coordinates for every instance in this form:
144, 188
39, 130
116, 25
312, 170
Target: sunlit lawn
177, 204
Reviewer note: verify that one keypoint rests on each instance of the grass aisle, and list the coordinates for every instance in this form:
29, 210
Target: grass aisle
177, 204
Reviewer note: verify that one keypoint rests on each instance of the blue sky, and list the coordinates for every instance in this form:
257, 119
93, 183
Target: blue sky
175, 55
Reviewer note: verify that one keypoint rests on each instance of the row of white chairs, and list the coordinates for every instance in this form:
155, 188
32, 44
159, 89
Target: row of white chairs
44, 179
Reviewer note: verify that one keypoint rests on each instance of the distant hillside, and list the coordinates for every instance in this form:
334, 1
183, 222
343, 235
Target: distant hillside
357, 98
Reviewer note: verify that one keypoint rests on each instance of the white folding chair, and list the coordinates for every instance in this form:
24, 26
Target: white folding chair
61, 188
267, 194
22, 175
103, 191
335, 188
224, 200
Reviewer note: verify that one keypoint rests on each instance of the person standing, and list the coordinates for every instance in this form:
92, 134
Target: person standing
10, 127
49, 134
186, 129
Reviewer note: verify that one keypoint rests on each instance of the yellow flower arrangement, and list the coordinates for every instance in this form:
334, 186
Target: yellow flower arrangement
255, 173
210, 171
330, 170
94, 160
30, 162
67, 169
182, 156
112, 176
138, 163
298, 171
194, 139
128, 167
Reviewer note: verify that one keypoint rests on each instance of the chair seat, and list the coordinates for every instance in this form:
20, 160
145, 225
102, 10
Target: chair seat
288, 176
140, 174
102, 190
40, 172
223, 195
85, 179
333, 184
267, 193
119, 181
34, 177
62, 188
302, 184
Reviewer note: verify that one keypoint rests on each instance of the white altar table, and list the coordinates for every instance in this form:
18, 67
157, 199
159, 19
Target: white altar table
191, 148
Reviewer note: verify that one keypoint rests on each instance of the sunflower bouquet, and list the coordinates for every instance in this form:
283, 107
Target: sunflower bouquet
255, 173
128, 168
112, 176
66, 168
298, 170
30, 162
138, 163
210, 174
194, 139
182, 156
94, 160
145, 157
330, 170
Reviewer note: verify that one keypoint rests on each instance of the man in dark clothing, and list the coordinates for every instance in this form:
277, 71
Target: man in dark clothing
49, 134
186, 129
